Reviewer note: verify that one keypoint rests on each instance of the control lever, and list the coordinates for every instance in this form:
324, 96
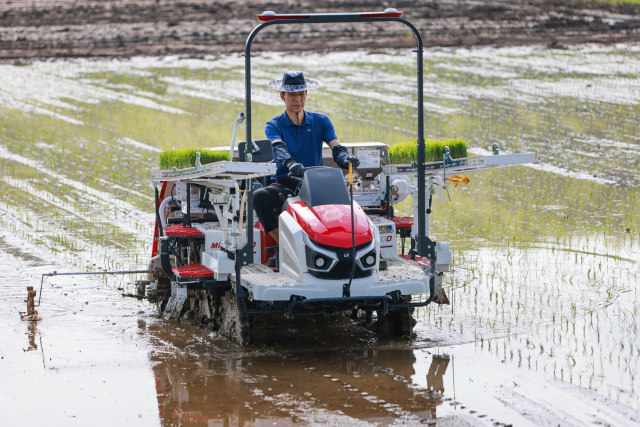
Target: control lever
295, 178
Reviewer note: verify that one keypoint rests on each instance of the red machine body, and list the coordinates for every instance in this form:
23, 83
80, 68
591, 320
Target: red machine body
331, 224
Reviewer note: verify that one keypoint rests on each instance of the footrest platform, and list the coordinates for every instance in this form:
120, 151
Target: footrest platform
192, 270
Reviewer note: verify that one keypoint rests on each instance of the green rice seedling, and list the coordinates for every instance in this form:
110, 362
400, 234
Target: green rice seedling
407, 152
186, 157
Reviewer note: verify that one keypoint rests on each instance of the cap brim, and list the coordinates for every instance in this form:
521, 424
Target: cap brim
279, 86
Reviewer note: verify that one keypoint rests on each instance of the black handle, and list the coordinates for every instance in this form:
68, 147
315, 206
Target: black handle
295, 178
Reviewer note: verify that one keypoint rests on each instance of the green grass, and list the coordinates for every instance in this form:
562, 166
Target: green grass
406, 152
186, 157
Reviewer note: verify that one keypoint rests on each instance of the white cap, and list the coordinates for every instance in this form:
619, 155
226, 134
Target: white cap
268, 13
391, 10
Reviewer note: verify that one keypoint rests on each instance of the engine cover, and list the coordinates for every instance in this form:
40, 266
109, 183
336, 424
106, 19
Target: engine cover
331, 224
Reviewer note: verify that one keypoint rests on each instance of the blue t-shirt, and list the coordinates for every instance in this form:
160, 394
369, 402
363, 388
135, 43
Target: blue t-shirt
304, 142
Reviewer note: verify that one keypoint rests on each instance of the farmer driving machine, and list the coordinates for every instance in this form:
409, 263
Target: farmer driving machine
338, 250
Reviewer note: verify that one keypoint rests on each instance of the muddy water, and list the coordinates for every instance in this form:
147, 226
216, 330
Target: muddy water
202, 381
84, 363
543, 325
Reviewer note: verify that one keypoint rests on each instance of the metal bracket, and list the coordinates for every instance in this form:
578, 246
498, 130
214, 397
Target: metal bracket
228, 249
245, 255
176, 301
292, 302
396, 296
427, 248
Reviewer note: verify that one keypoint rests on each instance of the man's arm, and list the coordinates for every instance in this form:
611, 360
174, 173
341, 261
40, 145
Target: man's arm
281, 154
342, 157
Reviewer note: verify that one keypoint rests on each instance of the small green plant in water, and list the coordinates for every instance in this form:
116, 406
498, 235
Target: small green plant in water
407, 152
186, 157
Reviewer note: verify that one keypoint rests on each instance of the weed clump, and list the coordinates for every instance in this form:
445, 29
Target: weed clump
186, 157
407, 152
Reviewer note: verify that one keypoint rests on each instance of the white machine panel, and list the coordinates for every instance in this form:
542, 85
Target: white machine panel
292, 248
369, 159
219, 263
213, 235
388, 242
443, 256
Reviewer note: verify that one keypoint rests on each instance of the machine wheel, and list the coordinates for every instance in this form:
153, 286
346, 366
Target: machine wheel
234, 324
205, 309
399, 322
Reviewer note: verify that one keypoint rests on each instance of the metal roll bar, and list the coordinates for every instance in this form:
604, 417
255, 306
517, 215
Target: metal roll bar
390, 15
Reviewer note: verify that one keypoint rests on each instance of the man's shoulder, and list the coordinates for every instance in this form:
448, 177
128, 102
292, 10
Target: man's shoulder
319, 117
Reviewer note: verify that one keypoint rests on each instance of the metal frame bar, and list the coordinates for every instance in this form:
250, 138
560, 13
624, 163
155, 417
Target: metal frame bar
362, 301
85, 273
245, 255
345, 18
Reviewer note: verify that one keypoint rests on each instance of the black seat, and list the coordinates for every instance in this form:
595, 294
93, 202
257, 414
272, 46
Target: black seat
266, 151
324, 186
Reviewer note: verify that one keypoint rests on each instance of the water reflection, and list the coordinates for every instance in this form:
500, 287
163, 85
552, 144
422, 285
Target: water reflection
437, 369
31, 334
208, 386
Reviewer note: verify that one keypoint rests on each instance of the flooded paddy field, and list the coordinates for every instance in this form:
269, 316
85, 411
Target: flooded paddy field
543, 325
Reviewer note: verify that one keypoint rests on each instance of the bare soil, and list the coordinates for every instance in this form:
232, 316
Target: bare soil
82, 28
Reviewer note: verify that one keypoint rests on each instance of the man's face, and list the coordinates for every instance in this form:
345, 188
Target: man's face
294, 101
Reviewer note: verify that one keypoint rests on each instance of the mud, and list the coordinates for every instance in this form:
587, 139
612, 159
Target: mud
81, 28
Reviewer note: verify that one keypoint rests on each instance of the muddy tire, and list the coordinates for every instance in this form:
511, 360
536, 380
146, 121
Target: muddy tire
163, 283
233, 323
205, 310
361, 316
399, 322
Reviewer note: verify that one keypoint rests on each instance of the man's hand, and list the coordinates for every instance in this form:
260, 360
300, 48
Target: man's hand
350, 159
342, 157
296, 169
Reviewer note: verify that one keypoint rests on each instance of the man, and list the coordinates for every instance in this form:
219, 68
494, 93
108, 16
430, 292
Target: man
296, 136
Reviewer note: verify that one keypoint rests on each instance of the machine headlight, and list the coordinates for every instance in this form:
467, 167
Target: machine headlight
319, 259
370, 260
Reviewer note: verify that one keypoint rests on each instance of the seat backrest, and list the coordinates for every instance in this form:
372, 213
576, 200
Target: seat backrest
266, 151
324, 186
